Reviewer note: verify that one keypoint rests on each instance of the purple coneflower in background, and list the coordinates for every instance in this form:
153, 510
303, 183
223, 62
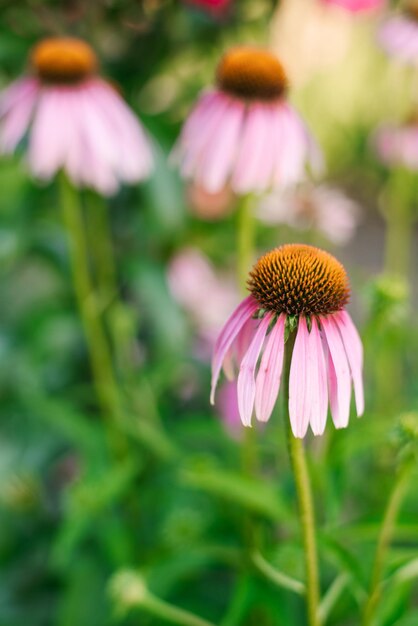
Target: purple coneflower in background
74, 120
244, 132
214, 7
304, 287
398, 34
356, 6
397, 145
325, 209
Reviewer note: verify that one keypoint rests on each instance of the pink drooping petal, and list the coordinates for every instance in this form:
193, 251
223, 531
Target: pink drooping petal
270, 371
332, 384
255, 138
18, 91
354, 350
342, 370
49, 136
99, 141
246, 377
215, 165
190, 149
299, 382
291, 156
318, 387
198, 116
229, 332
17, 105
239, 347
131, 144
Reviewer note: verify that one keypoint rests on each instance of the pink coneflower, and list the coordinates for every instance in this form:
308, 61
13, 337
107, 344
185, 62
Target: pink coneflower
304, 287
244, 132
214, 7
398, 34
325, 209
356, 6
398, 145
74, 120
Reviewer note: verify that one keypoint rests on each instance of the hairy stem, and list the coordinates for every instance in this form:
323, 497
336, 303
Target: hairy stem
305, 501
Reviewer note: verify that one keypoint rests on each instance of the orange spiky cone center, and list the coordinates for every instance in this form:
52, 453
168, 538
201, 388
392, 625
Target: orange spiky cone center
297, 279
251, 74
63, 60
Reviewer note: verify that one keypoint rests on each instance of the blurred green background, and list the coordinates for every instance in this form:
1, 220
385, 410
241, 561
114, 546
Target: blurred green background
74, 516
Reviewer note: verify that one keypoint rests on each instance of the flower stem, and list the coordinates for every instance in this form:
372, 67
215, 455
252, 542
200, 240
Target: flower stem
385, 537
245, 253
245, 240
102, 248
399, 223
305, 500
101, 360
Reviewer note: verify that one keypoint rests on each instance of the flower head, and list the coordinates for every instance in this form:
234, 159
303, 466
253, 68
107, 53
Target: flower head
74, 120
215, 7
244, 133
398, 34
300, 291
326, 209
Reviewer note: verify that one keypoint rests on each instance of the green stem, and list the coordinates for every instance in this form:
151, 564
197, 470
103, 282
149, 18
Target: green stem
101, 248
245, 240
170, 613
100, 356
305, 500
385, 537
398, 224
245, 254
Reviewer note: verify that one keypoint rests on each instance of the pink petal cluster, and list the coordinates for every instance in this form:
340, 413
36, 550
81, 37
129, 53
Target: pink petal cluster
356, 6
326, 209
325, 361
398, 36
250, 146
85, 129
216, 7
397, 145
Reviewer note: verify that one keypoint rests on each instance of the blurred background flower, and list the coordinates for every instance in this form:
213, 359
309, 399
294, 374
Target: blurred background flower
320, 208
244, 133
398, 34
75, 120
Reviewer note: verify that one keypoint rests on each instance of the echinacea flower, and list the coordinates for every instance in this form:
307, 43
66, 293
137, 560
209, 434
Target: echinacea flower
397, 145
355, 6
398, 34
244, 133
214, 7
73, 119
325, 209
302, 287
